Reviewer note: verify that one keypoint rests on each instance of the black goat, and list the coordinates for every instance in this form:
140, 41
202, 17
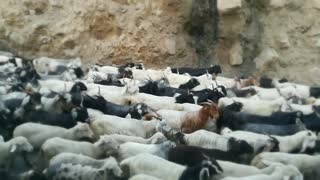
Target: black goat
232, 118
78, 87
158, 89
282, 130
66, 120
192, 83
136, 111
315, 92
312, 121
192, 155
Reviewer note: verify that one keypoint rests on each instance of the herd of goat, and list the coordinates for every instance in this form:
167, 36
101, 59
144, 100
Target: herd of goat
60, 120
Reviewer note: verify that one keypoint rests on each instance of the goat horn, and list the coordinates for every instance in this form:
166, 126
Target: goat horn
278, 89
65, 87
216, 83
205, 103
99, 92
149, 78
211, 101
124, 81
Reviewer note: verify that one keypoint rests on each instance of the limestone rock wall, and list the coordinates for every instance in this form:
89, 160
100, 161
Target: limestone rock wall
279, 38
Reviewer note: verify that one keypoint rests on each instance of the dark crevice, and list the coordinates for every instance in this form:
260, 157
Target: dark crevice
203, 28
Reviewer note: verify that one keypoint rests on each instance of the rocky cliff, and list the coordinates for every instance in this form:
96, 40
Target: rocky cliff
272, 37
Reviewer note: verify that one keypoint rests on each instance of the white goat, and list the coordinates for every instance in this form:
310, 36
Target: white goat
93, 113
206, 139
13, 148
143, 177
70, 158
104, 146
307, 164
259, 142
155, 102
231, 169
130, 149
150, 73
108, 69
280, 173
113, 93
55, 85
258, 107
158, 167
107, 124
109, 170
273, 93
301, 140
157, 138
305, 109
37, 134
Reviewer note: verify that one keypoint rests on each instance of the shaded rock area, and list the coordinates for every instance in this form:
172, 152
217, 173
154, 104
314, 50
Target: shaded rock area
271, 37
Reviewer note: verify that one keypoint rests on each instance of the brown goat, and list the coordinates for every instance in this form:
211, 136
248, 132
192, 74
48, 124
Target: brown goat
193, 121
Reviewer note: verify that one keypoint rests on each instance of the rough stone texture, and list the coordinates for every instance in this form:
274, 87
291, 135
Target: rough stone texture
266, 59
236, 54
229, 6
156, 33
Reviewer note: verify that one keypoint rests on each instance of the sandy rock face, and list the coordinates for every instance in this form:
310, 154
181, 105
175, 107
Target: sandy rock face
108, 31
157, 33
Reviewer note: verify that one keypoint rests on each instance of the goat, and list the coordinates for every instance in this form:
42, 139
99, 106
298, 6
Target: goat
157, 138
37, 134
197, 154
157, 103
210, 140
109, 170
193, 82
299, 142
130, 149
12, 148
106, 124
190, 121
258, 107
163, 169
266, 82
66, 120
233, 119
136, 111
143, 177
259, 142
308, 165
231, 169
103, 147
280, 172
282, 130
311, 121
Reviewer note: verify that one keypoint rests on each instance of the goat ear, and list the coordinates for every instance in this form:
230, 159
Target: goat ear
13, 148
